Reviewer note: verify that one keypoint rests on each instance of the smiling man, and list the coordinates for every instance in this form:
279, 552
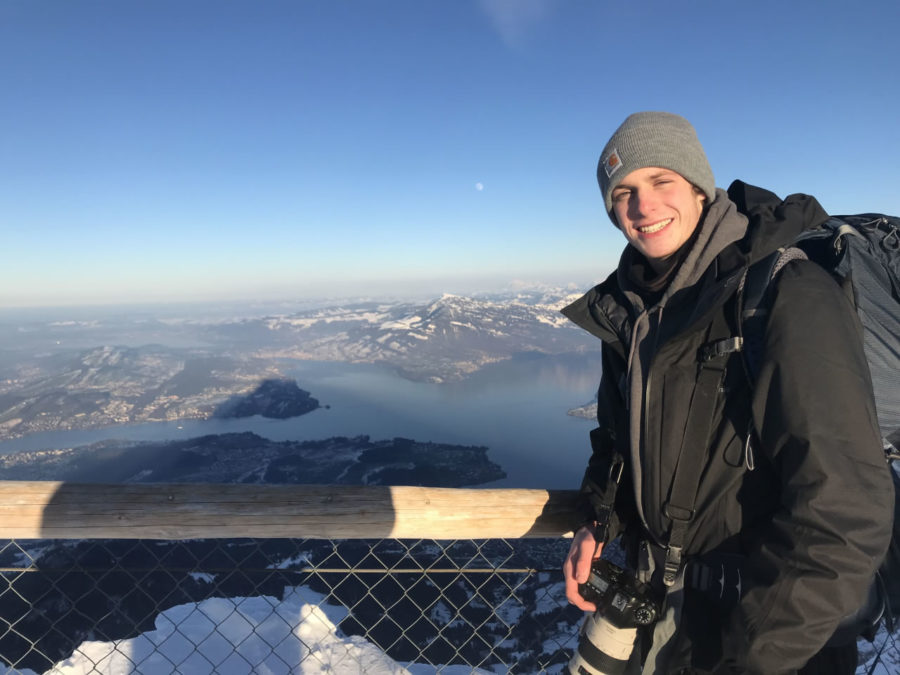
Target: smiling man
657, 211
739, 503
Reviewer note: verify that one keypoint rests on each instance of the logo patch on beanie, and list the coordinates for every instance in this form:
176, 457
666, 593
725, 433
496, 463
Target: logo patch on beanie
612, 163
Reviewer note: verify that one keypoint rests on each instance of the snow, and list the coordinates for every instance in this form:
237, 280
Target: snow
140, 475
880, 657
441, 614
401, 324
552, 321
510, 611
547, 599
566, 638
422, 669
326, 317
237, 636
297, 634
202, 577
240, 635
299, 560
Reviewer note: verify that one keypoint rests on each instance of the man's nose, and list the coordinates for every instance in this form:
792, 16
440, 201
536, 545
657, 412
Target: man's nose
642, 203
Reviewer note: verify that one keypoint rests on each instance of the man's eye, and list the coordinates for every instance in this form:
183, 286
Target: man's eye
618, 196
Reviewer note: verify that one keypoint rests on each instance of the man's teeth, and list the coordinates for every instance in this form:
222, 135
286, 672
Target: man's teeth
650, 229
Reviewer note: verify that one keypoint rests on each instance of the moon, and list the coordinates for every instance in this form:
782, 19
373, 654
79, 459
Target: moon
479, 187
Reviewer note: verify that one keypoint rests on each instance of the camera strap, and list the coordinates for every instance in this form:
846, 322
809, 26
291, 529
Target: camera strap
679, 508
602, 497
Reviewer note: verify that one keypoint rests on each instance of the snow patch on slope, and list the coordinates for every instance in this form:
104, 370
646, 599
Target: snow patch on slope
264, 635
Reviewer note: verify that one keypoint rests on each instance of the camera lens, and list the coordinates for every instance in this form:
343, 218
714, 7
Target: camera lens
603, 649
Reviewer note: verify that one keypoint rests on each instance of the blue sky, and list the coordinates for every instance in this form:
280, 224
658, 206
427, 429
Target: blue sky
157, 150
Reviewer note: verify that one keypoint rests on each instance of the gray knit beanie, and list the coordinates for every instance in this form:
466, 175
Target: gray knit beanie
654, 139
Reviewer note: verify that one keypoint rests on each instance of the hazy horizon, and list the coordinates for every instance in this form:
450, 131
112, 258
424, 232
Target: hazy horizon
369, 292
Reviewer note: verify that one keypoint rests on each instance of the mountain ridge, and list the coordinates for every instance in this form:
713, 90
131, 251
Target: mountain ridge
189, 370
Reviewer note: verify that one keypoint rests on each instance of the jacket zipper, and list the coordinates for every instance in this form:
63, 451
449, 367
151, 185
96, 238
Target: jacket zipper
654, 328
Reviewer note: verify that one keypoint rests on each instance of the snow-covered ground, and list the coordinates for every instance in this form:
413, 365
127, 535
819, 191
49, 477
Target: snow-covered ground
266, 636
235, 636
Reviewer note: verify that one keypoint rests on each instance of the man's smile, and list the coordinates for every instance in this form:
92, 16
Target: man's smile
655, 227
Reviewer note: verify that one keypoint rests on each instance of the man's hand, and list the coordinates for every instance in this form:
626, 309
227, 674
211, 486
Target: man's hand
577, 566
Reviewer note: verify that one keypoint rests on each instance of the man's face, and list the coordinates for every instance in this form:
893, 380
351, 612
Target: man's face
657, 211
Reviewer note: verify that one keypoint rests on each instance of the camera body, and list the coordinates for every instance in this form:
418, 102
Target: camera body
622, 600
608, 635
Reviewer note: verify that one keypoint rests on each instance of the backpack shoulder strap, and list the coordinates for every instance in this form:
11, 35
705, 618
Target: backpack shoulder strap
679, 507
753, 303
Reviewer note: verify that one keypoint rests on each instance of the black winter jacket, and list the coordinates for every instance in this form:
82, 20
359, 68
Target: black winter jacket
794, 476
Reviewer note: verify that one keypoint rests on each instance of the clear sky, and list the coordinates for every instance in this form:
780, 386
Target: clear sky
156, 150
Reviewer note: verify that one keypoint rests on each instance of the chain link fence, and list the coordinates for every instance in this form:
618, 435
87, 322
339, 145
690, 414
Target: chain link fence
295, 606
284, 606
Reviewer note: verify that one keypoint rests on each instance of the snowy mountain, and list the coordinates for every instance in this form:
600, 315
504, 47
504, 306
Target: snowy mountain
441, 340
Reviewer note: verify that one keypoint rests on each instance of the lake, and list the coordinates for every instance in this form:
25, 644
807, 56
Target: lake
517, 408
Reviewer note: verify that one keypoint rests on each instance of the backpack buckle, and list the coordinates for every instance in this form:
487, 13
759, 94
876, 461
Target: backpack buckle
673, 565
719, 348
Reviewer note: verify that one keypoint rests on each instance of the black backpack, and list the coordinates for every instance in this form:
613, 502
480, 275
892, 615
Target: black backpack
862, 252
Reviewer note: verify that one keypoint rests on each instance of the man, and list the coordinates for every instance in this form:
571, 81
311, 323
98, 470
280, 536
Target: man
776, 480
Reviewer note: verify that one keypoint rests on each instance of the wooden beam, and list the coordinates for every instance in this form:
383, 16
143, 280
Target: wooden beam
47, 510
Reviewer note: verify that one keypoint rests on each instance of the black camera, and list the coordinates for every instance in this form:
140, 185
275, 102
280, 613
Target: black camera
623, 600
607, 636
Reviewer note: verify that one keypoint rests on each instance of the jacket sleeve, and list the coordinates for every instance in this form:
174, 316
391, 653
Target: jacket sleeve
606, 443
814, 412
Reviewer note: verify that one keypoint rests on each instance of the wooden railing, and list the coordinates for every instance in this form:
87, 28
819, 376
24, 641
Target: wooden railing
47, 510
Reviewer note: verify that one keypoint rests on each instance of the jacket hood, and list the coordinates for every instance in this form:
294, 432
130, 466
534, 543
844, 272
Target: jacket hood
773, 222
